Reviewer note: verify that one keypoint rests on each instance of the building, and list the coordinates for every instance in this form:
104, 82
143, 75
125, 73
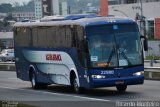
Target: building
55, 7
23, 15
38, 9
50, 7
118, 2
103, 8
64, 8
135, 9
149, 10
6, 40
11, 22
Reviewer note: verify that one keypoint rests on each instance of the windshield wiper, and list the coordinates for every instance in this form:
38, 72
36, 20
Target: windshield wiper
110, 56
122, 52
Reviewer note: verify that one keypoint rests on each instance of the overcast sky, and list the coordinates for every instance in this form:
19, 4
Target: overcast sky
12, 1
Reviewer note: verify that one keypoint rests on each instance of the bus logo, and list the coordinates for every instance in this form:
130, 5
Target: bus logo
53, 57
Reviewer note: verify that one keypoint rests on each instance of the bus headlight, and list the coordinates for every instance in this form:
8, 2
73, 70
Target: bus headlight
138, 73
98, 76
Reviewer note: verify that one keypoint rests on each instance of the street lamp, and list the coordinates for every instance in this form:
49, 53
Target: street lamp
121, 12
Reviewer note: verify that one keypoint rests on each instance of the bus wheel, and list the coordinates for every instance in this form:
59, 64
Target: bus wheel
121, 88
75, 86
35, 84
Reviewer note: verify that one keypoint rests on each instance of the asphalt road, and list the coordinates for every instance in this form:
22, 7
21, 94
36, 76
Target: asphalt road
16, 90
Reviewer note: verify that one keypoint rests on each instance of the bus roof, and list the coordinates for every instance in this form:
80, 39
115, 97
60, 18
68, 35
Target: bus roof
82, 22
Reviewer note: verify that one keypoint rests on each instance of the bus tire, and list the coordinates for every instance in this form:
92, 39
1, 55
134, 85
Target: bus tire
35, 84
121, 88
75, 86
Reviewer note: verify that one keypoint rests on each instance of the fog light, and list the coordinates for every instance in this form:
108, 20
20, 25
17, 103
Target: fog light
138, 73
98, 76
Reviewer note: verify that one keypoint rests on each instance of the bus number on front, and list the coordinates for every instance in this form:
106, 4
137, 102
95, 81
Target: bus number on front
107, 72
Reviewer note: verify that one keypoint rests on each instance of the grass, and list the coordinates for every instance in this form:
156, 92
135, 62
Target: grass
152, 57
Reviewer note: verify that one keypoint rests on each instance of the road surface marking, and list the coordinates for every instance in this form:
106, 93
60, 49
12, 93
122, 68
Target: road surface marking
89, 98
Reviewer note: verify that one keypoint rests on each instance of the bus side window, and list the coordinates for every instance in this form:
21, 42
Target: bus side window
16, 34
26, 37
61, 37
68, 37
35, 37
42, 37
23, 37
79, 37
51, 35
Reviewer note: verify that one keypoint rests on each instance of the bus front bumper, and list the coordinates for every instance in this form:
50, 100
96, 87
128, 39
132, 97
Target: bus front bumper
108, 82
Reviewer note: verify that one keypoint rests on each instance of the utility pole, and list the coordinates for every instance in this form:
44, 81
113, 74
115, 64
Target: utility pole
143, 27
141, 8
142, 19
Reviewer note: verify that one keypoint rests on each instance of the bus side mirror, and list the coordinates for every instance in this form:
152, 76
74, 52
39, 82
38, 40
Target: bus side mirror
145, 43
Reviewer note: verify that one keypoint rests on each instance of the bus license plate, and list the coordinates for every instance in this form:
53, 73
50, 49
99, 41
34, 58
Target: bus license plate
119, 82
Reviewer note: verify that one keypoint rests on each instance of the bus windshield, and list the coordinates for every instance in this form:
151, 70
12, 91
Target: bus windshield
114, 45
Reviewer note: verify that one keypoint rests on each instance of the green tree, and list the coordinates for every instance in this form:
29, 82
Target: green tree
25, 7
5, 23
9, 17
5, 8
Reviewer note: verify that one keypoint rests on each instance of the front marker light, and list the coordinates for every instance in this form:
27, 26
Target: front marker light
138, 73
98, 76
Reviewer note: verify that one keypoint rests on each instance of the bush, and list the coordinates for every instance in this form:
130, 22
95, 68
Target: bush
152, 57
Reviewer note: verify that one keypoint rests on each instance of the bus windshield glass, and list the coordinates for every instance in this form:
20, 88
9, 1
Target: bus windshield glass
114, 45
